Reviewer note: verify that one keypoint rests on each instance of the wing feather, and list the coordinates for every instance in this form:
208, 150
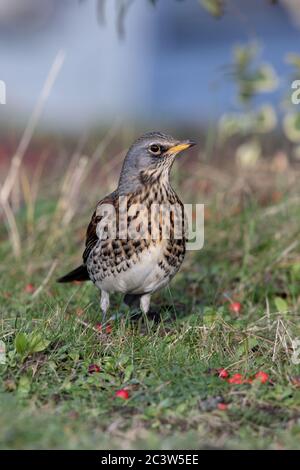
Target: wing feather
91, 234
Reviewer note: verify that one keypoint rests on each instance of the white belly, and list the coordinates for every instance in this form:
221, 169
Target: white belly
142, 277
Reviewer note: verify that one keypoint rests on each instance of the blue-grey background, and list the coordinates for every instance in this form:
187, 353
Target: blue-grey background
170, 66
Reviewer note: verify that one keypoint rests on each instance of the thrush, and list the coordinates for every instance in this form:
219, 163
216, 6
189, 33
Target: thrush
136, 240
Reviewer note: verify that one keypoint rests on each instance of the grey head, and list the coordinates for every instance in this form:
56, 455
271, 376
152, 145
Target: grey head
149, 158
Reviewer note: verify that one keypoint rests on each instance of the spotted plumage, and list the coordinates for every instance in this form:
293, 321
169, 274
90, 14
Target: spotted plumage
135, 241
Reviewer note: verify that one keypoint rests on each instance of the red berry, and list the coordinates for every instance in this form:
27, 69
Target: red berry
222, 406
93, 368
235, 307
262, 376
108, 328
236, 379
223, 374
122, 393
29, 289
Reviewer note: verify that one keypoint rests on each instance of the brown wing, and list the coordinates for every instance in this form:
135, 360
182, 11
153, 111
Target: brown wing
91, 234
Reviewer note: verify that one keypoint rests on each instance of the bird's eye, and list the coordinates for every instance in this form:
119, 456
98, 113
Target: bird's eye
155, 149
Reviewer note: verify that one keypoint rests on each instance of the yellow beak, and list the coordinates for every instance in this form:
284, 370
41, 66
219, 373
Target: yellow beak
180, 147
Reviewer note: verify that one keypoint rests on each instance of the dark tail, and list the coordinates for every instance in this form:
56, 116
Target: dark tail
78, 274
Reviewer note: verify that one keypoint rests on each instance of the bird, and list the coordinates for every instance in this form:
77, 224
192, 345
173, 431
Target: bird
130, 248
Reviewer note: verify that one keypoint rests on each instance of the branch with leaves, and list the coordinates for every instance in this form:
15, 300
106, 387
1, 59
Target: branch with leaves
216, 8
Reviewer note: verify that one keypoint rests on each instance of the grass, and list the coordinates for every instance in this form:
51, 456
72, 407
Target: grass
169, 365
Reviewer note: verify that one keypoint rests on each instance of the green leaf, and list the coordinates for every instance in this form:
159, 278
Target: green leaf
123, 360
296, 271
209, 316
37, 343
293, 59
74, 355
280, 304
128, 372
248, 153
265, 119
244, 55
214, 7
21, 344
265, 79
29, 344
24, 386
291, 126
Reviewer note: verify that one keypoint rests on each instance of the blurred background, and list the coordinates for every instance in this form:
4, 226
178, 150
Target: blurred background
84, 78
161, 63
81, 80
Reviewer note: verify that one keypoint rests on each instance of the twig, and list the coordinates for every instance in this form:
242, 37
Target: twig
45, 281
17, 159
273, 210
286, 251
275, 342
87, 325
13, 228
31, 126
72, 197
268, 313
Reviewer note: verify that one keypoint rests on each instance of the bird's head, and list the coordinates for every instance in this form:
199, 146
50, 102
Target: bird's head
149, 159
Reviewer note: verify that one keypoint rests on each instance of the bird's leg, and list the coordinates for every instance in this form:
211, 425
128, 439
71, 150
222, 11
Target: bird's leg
145, 303
104, 303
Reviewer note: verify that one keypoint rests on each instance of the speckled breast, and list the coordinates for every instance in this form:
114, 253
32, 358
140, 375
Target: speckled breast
151, 250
